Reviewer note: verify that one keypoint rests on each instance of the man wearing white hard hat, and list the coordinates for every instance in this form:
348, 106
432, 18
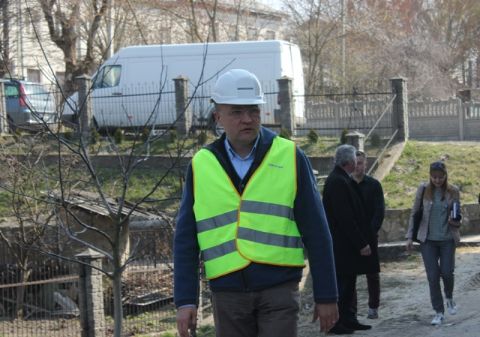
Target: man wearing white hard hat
249, 211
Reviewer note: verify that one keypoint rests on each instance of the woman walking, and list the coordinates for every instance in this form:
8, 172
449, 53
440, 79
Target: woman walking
438, 235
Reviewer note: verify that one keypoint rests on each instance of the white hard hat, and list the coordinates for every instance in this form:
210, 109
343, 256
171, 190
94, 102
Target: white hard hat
238, 87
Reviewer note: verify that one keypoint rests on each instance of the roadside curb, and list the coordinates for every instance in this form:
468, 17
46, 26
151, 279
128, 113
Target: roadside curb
389, 251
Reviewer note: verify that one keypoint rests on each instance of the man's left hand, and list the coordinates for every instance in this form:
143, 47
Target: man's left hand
454, 223
327, 314
366, 251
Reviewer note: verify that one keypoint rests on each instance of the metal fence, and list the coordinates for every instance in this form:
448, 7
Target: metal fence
368, 113
330, 114
49, 305
154, 104
50, 293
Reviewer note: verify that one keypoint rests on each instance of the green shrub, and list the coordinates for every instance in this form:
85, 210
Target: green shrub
312, 136
173, 135
94, 136
68, 135
284, 133
343, 136
145, 134
118, 136
206, 331
168, 334
375, 140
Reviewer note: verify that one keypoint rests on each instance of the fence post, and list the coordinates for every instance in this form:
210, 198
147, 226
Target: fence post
400, 108
183, 112
461, 118
285, 99
3, 111
356, 139
84, 84
92, 316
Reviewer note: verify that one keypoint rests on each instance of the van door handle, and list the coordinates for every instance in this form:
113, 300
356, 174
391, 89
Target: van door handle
117, 94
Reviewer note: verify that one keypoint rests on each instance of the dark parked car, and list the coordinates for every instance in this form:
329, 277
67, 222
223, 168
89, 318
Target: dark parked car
28, 104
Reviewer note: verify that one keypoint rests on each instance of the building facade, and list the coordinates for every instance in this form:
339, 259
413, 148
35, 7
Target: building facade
33, 55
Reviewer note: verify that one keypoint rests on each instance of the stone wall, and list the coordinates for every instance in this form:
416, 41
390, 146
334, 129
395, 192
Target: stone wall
324, 165
395, 224
444, 120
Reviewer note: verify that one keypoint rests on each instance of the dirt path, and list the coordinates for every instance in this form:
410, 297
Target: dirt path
405, 308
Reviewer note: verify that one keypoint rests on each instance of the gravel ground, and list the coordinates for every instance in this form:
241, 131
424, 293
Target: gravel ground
405, 308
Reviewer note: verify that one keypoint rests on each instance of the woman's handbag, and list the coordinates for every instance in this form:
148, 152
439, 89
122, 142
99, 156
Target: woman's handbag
417, 218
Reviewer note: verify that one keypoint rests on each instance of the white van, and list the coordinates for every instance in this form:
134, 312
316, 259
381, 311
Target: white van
135, 87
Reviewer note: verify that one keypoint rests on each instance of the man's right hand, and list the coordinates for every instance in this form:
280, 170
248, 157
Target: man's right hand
409, 245
186, 321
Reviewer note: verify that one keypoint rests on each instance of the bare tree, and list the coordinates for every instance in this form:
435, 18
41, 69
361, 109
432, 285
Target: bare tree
454, 24
43, 194
317, 31
5, 41
64, 20
211, 20
72, 167
27, 209
428, 42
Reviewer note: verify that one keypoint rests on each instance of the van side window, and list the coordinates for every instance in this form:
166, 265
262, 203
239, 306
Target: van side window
107, 77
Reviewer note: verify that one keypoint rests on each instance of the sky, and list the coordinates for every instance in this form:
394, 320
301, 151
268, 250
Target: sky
277, 4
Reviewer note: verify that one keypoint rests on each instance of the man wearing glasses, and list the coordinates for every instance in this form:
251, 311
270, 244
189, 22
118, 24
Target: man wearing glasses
249, 208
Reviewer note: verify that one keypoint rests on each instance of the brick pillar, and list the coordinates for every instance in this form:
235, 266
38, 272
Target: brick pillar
3, 111
400, 108
184, 113
285, 99
92, 316
84, 84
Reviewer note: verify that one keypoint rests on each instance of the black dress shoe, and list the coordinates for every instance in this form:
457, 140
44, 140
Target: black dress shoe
355, 325
340, 329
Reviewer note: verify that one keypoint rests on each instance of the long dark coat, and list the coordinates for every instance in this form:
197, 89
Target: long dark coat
348, 225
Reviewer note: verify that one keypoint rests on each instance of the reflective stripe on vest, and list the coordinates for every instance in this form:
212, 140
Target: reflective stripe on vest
259, 226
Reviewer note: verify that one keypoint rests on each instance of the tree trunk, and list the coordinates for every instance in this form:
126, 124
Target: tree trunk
24, 275
5, 45
117, 302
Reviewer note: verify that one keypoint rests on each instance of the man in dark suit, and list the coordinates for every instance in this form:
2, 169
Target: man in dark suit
372, 195
351, 236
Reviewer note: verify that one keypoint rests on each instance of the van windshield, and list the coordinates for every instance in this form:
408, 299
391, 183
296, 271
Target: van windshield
108, 76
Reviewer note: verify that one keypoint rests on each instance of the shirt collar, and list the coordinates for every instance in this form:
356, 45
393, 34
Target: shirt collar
232, 154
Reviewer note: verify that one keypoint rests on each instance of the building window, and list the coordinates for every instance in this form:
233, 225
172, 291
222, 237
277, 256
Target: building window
269, 35
252, 33
233, 33
33, 75
60, 75
165, 35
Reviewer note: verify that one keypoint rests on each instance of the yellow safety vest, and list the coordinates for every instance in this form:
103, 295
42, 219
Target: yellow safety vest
234, 230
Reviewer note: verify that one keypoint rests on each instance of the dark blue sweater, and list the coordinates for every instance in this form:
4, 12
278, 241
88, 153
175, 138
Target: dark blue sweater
309, 216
